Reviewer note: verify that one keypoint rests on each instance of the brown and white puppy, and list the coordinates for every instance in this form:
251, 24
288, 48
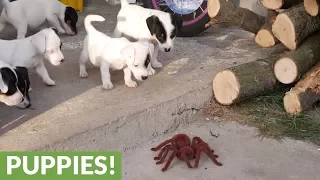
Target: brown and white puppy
24, 14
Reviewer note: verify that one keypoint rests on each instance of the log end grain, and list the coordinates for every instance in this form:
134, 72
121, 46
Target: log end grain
312, 7
284, 30
285, 70
272, 4
226, 87
291, 102
265, 38
213, 8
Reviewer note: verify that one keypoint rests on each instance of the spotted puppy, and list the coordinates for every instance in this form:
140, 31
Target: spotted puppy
14, 85
158, 27
24, 14
114, 53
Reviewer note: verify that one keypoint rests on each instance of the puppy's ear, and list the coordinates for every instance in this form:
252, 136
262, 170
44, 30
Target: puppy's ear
3, 86
152, 23
7, 77
177, 21
71, 18
71, 14
128, 53
39, 41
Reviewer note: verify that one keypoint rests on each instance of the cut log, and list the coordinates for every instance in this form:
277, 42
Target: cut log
245, 81
294, 25
265, 37
312, 7
223, 11
279, 4
293, 64
305, 93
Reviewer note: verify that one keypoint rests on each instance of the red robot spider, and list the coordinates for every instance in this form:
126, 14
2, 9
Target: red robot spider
182, 148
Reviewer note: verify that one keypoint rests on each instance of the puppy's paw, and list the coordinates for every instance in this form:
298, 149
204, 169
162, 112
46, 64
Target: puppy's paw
151, 71
50, 82
71, 33
61, 31
157, 65
131, 84
84, 74
107, 86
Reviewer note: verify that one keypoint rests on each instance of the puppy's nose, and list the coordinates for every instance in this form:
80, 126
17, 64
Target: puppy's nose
29, 105
167, 49
62, 60
144, 77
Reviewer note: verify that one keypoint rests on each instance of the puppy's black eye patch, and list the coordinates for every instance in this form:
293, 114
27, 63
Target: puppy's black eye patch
146, 63
173, 33
23, 81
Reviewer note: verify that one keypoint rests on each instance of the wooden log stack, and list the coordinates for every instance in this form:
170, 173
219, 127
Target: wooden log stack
293, 23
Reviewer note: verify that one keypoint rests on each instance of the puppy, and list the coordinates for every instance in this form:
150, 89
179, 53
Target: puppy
31, 51
114, 53
14, 85
24, 14
156, 26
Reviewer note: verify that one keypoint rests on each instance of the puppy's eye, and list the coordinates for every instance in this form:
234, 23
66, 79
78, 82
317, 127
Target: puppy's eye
60, 45
136, 65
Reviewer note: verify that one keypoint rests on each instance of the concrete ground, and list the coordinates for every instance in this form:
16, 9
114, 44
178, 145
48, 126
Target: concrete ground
243, 154
77, 114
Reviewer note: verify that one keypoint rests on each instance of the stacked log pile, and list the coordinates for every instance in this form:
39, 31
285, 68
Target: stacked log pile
295, 24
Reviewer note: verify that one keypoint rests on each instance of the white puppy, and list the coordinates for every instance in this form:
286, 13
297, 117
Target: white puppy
14, 85
114, 53
156, 26
24, 14
31, 51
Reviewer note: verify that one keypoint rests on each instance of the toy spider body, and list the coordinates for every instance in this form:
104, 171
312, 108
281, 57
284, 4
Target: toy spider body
184, 149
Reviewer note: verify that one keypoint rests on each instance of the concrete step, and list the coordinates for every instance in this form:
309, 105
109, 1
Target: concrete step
77, 114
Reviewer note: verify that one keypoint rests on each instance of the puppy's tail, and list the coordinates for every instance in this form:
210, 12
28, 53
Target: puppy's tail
123, 2
89, 19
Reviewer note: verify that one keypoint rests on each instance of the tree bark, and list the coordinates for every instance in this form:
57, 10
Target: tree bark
239, 83
312, 7
294, 25
305, 93
293, 64
265, 37
279, 4
223, 11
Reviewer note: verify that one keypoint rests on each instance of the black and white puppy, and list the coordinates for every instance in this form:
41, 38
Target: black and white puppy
24, 14
30, 52
141, 23
14, 86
